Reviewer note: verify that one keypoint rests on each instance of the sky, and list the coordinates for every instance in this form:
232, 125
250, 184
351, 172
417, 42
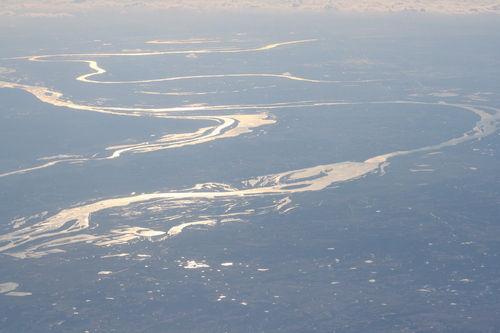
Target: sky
58, 8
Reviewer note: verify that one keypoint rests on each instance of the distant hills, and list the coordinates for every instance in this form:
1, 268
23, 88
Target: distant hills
53, 8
